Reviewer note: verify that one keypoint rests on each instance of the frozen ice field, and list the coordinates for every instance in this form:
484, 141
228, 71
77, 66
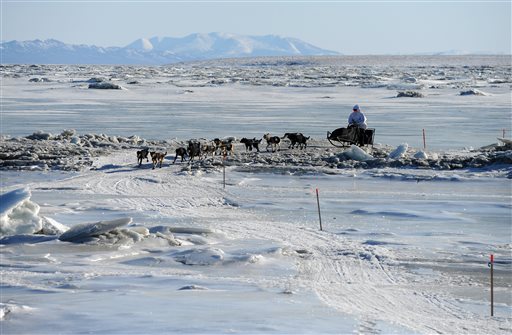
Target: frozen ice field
402, 250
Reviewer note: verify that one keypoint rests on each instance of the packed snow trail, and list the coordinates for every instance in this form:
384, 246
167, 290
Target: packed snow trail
360, 280
356, 280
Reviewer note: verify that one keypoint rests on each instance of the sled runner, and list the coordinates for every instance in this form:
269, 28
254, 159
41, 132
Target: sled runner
343, 137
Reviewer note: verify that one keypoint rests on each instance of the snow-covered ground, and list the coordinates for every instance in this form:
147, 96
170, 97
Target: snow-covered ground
402, 250
247, 98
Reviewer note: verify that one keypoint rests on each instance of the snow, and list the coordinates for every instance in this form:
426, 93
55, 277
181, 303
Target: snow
421, 155
473, 91
404, 246
158, 50
84, 230
356, 153
399, 152
18, 215
207, 256
266, 246
142, 44
6, 308
52, 227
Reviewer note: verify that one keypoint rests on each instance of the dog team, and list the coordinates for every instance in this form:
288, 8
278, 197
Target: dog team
224, 147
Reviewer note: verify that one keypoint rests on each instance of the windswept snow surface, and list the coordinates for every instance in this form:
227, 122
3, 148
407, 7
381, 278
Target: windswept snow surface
250, 97
395, 256
402, 250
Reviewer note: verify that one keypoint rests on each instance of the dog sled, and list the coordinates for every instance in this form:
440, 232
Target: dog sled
344, 137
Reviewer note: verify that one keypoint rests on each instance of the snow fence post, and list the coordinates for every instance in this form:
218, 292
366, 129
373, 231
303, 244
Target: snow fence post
318, 204
491, 263
224, 171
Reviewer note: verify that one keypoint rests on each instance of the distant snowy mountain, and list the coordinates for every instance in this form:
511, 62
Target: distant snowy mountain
158, 50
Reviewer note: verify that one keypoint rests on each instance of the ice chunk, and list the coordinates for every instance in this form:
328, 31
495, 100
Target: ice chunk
505, 141
75, 140
169, 238
67, 133
8, 308
473, 91
421, 155
11, 199
190, 230
105, 86
400, 151
52, 227
409, 94
192, 287
82, 231
140, 230
357, 154
116, 236
18, 215
40, 135
207, 256
180, 230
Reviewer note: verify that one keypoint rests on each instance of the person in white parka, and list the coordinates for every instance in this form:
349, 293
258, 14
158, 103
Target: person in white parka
357, 118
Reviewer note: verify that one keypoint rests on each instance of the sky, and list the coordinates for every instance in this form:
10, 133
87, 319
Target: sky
348, 27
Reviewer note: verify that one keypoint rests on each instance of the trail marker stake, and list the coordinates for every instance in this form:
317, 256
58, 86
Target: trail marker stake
318, 204
491, 264
224, 172
424, 141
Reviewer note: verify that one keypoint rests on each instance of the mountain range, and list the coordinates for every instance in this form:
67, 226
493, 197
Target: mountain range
158, 50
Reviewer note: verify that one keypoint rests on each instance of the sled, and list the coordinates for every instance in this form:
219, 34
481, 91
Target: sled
344, 137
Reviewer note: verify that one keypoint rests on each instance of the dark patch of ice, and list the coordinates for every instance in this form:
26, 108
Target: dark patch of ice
385, 213
375, 242
473, 92
409, 94
26, 239
105, 86
82, 231
193, 287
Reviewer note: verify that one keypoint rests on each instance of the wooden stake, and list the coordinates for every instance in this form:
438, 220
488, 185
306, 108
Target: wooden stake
318, 204
224, 157
424, 141
224, 174
492, 285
